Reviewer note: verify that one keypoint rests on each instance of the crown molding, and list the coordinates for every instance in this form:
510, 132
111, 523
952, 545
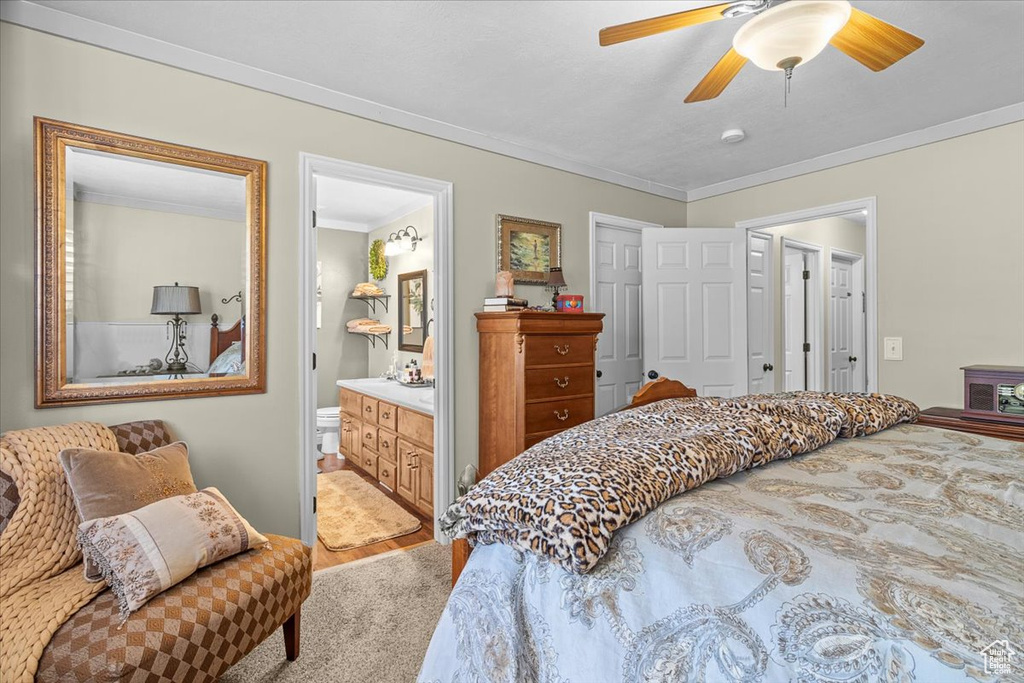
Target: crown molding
917, 138
159, 206
83, 30
335, 224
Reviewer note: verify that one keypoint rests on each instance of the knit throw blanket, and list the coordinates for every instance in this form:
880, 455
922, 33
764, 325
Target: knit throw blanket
37, 594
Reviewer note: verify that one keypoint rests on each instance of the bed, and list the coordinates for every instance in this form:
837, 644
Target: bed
892, 552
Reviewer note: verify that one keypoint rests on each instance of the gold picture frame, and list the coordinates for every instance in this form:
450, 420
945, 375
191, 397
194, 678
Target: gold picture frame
528, 248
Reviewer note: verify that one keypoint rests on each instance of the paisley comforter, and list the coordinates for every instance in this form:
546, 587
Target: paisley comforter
893, 557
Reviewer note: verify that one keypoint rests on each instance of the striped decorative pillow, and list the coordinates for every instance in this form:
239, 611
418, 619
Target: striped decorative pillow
145, 552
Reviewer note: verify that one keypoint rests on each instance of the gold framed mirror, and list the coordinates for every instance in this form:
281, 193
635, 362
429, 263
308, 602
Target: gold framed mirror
150, 270
412, 310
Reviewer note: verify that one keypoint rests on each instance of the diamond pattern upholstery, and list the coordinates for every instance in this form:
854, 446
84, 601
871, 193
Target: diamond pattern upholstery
142, 435
192, 632
9, 499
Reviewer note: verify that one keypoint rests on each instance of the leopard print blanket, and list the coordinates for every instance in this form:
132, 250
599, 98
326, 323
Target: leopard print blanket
565, 497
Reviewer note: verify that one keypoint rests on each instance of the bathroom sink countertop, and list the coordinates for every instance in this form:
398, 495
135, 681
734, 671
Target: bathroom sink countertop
420, 399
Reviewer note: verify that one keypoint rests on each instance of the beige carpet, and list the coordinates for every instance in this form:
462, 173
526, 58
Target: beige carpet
369, 620
352, 512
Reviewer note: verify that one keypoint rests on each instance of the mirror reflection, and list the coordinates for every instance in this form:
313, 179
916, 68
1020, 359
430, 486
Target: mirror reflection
412, 310
156, 270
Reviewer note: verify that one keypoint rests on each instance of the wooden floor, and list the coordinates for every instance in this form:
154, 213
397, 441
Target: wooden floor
323, 558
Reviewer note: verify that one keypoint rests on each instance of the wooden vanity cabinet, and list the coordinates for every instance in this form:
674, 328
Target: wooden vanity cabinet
393, 444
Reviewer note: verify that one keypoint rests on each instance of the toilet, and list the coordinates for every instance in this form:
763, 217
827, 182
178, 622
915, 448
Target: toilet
328, 428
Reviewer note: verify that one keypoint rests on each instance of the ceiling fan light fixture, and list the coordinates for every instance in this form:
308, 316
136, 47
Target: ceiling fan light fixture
796, 30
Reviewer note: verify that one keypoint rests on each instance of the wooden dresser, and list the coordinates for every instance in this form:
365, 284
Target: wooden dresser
536, 379
393, 444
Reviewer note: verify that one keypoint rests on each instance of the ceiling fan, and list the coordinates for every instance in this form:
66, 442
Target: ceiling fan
780, 36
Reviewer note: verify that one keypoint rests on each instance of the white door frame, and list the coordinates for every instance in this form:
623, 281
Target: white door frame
859, 337
817, 363
444, 391
867, 206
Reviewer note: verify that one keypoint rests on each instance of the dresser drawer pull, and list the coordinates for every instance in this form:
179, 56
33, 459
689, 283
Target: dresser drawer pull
564, 416
562, 350
562, 383
386, 415
368, 409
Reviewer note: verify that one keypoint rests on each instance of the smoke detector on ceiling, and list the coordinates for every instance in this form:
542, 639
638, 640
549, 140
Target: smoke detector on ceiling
733, 135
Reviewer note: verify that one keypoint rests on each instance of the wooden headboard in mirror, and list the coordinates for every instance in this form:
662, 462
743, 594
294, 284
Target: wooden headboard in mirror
138, 243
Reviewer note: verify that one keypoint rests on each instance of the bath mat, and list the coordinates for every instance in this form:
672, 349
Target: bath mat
351, 512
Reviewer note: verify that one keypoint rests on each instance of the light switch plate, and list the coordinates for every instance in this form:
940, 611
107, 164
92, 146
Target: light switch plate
893, 347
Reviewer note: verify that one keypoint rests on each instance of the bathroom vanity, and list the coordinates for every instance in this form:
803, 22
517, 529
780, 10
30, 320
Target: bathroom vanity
387, 430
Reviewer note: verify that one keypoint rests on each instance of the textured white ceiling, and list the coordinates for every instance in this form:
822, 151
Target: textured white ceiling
348, 205
154, 185
532, 73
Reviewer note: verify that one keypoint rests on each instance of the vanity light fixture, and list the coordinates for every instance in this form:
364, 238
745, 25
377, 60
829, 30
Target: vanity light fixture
402, 241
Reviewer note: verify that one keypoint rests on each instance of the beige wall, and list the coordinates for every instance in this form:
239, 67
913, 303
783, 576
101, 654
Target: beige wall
421, 259
950, 248
122, 252
828, 233
339, 355
248, 445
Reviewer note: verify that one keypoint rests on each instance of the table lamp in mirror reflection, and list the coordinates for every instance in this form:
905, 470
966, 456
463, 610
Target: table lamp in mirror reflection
176, 300
556, 283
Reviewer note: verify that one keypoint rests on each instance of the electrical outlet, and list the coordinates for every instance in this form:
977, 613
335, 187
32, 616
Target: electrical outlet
893, 348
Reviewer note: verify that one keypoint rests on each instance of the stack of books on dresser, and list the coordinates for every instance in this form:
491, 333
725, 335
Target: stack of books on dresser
500, 304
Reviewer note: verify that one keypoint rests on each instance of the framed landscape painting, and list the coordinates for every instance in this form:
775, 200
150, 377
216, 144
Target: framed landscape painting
528, 248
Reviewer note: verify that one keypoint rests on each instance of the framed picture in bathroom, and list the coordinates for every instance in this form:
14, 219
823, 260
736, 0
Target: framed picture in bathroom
412, 310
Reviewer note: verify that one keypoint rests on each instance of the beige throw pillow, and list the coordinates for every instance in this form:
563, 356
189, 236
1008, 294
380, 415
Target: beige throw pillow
145, 552
105, 483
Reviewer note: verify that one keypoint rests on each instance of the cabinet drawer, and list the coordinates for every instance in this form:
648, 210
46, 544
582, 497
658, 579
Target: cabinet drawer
350, 402
555, 382
369, 413
416, 427
368, 461
550, 350
387, 472
387, 444
368, 437
387, 416
534, 439
558, 415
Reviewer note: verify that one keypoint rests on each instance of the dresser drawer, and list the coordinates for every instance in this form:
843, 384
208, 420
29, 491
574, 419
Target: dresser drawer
368, 461
387, 416
387, 472
555, 382
534, 439
350, 402
416, 427
558, 415
368, 436
559, 350
369, 412
387, 444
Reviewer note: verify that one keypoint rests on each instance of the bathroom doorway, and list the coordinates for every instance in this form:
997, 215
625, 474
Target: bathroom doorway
375, 349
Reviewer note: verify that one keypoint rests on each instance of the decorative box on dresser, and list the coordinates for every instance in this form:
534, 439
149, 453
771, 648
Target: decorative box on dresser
391, 443
536, 379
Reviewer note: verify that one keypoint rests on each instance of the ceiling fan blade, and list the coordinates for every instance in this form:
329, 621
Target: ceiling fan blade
873, 42
655, 25
718, 78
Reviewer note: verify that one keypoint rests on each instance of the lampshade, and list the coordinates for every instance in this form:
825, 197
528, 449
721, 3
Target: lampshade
555, 278
793, 32
175, 299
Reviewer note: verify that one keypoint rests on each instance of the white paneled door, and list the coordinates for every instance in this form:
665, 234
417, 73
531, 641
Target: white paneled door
760, 315
794, 315
694, 308
846, 311
617, 295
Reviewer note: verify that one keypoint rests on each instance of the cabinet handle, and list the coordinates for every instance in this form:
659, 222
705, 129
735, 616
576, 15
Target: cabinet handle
367, 437
386, 416
368, 409
564, 417
384, 443
384, 473
562, 384
562, 350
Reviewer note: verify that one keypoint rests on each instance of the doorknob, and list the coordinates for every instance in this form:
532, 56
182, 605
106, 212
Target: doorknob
853, 359
652, 374
767, 367
599, 373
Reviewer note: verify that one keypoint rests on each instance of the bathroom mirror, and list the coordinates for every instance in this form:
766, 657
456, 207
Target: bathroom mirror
151, 261
412, 310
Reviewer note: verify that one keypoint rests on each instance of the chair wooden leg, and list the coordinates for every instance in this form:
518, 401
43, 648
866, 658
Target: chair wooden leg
291, 636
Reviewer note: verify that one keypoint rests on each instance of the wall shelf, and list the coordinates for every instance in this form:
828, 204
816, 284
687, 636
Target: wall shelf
372, 300
373, 337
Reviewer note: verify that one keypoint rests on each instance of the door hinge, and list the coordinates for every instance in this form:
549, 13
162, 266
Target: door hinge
314, 505
314, 361
314, 219
807, 347
806, 275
